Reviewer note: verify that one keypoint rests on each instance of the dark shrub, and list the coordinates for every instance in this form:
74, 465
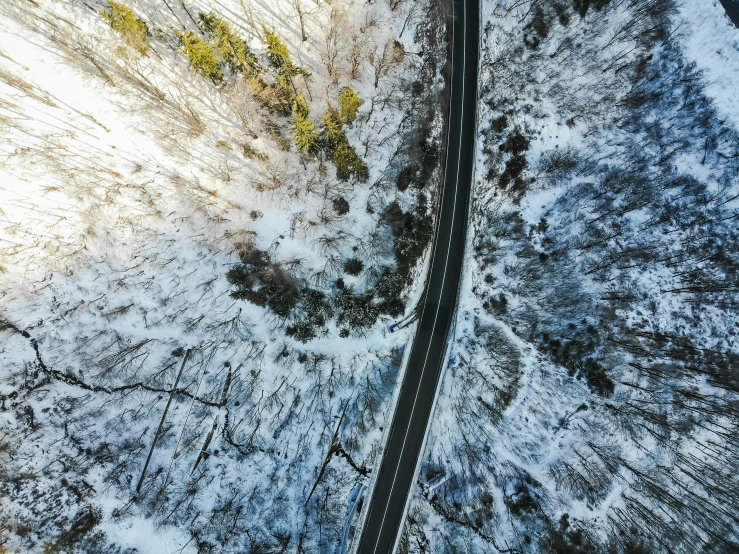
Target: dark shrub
499, 124
389, 288
536, 30
390, 285
563, 13
356, 311
394, 307
522, 501
499, 305
412, 232
430, 151
598, 381
315, 306
395, 218
407, 177
516, 143
582, 6
512, 172
353, 266
263, 283
244, 277
340, 205
255, 257
302, 331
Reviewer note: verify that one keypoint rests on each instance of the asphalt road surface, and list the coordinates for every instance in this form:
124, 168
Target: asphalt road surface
732, 10
387, 504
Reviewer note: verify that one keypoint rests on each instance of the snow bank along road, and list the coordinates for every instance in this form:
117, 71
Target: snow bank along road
405, 440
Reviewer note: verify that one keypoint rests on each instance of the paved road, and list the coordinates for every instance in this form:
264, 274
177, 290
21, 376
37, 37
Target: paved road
732, 10
397, 469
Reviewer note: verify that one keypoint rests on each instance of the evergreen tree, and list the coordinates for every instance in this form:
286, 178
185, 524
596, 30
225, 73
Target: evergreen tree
349, 103
200, 55
333, 128
306, 137
344, 157
132, 29
227, 45
279, 57
348, 163
277, 53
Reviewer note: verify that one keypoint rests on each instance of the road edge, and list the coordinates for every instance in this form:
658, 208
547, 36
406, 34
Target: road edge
453, 322
393, 407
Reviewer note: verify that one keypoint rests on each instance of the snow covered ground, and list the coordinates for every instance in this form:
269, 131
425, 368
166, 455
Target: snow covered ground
130, 187
590, 400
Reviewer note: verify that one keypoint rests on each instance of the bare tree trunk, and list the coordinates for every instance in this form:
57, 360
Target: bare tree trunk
161, 423
299, 10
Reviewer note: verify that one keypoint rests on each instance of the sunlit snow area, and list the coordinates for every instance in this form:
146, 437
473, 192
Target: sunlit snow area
201, 207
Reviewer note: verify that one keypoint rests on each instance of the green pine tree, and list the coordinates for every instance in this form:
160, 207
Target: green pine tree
349, 103
306, 137
333, 127
227, 45
348, 164
132, 29
279, 57
201, 56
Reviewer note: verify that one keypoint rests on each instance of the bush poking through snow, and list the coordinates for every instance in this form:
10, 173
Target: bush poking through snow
408, 176
349, 103
348, 164
340, 205
412, 232
303, 127
334, 141
357, 311
279, 57
317, 311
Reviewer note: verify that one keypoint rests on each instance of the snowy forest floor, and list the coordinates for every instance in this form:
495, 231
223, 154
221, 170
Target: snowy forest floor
210, 212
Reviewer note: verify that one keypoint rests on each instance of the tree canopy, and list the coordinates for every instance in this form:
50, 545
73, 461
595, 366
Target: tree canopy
227, 45
133, 30
200, 55
349, 103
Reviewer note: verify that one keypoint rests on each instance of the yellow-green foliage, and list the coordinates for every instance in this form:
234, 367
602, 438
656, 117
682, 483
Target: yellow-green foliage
333, 126
304, 130
279, 56
277, 52
132, 29
349, 103
347, 162
227, 45
300, 107
200, 55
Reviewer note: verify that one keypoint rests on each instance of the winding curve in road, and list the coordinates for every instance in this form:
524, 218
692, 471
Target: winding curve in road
415, 403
